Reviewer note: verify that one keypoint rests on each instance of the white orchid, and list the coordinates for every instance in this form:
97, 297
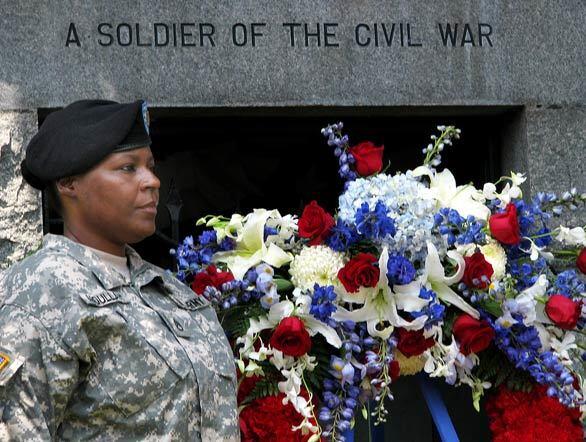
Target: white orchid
466, 199
381, 305
572, 237
526, 305
434, 278
251, 248
509, 192
535, 251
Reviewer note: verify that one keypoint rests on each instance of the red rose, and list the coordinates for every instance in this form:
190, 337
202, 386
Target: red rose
368, 158
504, 227
476, 268
472, 335
412, 342
315, 223
210, 277
359, 272
581, 261
266, 418
563, 311
394, 370
291, 337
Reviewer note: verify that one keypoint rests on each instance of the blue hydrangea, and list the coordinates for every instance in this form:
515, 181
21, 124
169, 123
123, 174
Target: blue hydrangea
409, 204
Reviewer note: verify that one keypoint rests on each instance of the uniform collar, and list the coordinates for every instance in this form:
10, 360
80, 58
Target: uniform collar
140, 271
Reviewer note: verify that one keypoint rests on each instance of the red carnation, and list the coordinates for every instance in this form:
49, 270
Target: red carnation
412, 342
315, 223
210, 277
516, 416
563, 311
477, 267
504, 227
581, 261
472, 335
359, 272
368, 158
267, 419
291, 337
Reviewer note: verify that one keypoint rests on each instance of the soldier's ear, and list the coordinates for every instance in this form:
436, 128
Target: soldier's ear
67, 186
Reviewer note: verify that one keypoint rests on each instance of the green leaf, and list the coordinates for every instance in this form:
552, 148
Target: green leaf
283, 284
492, 307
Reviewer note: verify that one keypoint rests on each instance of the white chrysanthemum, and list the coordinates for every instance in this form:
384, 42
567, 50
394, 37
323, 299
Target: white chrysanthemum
316, 264
496, 256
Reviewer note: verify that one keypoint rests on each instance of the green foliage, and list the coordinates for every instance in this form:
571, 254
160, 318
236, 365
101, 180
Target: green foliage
263, 388
495, 368
236, 320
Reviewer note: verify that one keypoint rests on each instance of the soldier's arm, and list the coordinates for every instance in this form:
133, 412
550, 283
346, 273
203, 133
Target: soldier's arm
37, 377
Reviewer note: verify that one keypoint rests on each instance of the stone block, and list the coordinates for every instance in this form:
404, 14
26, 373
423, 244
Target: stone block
21, 226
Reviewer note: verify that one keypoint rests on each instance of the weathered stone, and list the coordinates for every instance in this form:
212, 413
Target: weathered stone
20, 205
556, 151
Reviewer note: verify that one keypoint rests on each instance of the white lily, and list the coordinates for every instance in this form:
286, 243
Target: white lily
381, 305
250, 247
466, 199
434, 278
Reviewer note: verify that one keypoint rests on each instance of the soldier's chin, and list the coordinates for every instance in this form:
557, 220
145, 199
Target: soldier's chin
141, 232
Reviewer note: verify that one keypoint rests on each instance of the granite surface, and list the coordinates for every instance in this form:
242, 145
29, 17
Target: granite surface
21, 226
265, 53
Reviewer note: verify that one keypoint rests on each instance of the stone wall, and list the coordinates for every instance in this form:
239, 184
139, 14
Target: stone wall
299, 54
20, 205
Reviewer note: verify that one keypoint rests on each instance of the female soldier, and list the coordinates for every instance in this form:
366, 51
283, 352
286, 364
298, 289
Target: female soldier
95, 342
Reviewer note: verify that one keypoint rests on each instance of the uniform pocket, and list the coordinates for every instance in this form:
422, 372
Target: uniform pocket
137, 369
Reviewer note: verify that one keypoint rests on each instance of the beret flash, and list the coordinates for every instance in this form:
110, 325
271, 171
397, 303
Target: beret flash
74, 139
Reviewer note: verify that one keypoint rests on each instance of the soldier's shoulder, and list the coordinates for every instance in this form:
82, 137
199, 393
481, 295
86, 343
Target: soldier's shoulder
43, 279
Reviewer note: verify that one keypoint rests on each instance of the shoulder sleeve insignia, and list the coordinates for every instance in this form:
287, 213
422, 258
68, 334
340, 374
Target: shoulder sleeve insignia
4, 361
9, 365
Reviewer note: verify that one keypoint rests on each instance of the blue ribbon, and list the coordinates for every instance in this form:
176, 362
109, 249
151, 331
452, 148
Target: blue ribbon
438, 409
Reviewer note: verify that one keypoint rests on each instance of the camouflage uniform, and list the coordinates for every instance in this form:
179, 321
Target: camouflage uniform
85, 354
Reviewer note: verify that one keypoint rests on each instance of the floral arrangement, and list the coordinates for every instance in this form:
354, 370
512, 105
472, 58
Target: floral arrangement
414, 272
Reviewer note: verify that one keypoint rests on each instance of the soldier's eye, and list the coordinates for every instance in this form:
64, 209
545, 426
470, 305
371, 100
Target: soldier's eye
128, 168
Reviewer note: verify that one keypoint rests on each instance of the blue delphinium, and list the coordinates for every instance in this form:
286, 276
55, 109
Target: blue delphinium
400, 270
457, 229
322, 303
434, 310
191, 257
376, 224
341, 390
342, 237
207, 237
340, 143
521, 345
567, 283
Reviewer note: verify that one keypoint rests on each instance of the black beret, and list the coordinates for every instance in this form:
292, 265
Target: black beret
74, 139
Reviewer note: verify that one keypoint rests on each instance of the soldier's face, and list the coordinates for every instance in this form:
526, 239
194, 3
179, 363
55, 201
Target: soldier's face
118, 198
